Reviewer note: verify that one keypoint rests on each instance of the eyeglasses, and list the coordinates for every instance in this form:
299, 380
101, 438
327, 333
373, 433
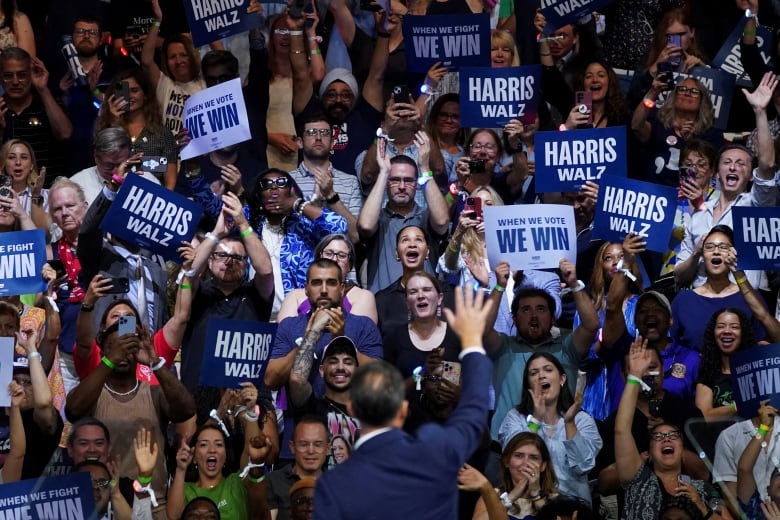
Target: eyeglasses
449, 115
332, 255
699, 165
322, 132
278, 182
711, 246
332, 95
672, 436
86, 32
317, 445
227, 256
102, 483
690, 91
299, 501
396, 181
479, 146
21, 75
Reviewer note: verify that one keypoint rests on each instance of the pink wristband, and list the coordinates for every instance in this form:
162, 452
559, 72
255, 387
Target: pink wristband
117, 179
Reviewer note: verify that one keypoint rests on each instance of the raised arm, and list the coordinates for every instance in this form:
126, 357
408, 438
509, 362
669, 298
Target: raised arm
174, 505
44, 414
627, 458
492, 339
759, 99
368, 220
438, 210
303, 88
582, 336
61, 126
345, 23
757, 306
374, 84
746, 483
258, 254
178, 405
150, 44
639, 123
12, 469
300, 388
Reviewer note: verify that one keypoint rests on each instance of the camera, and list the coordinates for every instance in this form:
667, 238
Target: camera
582, 109
654, 407
649, 380
5, 187
476, 165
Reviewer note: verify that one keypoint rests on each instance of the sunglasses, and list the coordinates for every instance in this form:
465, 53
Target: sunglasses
278, 182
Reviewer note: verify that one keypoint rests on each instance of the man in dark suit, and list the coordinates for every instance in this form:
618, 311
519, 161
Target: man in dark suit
392, 474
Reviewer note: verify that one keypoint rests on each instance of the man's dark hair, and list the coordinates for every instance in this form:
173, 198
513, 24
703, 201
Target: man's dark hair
377, 393
87, 421
192, 504
91, 462
313, 118
311, 418
563, 505
324, 263
404, 159
532, 292
216, 58
16, 54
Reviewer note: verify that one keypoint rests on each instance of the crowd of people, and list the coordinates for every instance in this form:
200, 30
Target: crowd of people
353, 219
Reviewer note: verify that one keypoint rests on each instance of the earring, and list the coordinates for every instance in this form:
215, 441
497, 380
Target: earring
438, 311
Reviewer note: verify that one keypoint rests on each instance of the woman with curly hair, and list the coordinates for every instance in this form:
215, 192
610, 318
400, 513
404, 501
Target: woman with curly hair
728, 331
609, 107
687, 113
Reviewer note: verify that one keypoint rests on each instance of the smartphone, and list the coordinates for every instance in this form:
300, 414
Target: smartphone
58, 267
308, 9
582, 381
401, 94
654, 407
684, 478
119, 285
473, 204
676, 40
687, 173
122, 90
154, 164
296, 10
5, 186
476, 165
366, 5
666, 75
126, 325
450, 371
584, 101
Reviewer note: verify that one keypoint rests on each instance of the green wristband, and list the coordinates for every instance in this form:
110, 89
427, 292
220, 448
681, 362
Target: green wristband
110, 364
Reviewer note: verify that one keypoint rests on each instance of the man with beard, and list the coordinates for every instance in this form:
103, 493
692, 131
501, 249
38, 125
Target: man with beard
227, 294
338, 363
379, 227
319, 181
80, 100
30, 111
325, 291
113, 394
353, 115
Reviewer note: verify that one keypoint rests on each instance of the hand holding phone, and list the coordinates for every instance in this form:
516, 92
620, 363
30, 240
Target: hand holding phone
584, 101
473, 205
675, 40
126, 325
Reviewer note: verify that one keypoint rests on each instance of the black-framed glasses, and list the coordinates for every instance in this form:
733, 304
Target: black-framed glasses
333, 255
449, 115
322, 132
331, 95
691, 91
86, 32
271, 183
224, 257
299, 501
21, 75
712, 246
672, 436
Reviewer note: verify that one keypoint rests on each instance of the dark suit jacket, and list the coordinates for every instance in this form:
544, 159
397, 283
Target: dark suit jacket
397, 476
98, 254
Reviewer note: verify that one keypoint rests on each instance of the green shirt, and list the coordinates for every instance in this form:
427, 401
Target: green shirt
229, 495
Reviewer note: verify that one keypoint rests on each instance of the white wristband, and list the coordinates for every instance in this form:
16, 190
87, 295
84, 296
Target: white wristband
160, 363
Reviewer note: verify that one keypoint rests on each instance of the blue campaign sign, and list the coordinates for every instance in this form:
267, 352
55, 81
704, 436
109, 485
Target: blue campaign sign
562, 12
757, 237
490, 97
729, 57
22, 255
644, 208
236, 351
69, 497
152, 217
721, 87
211, 21
755, 377
566, 160
454, 40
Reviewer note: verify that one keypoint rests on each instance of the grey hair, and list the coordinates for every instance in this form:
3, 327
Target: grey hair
111, 140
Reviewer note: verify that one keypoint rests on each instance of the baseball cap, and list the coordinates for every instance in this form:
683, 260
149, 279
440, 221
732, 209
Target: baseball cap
339, 345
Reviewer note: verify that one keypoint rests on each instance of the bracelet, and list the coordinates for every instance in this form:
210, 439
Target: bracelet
315, 52
144, 480
213, 237
245, 233
562, 127
297, 52
763, 429
449, 198
117, 179
536, 496
452, 250
633, 380
533, 423
160, 363
296, 33
251, 416
38, 201
257, 480
710, 512
185, 286
333, 200
733, 406
156, 23
110, 364
35, 355
742, 280
424, 177
87, 307
749, 32
139, 487
302, 207
249, 466
382, 34
317, 39
545, 54
648, 103
580, 286
504, 497
498, 288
